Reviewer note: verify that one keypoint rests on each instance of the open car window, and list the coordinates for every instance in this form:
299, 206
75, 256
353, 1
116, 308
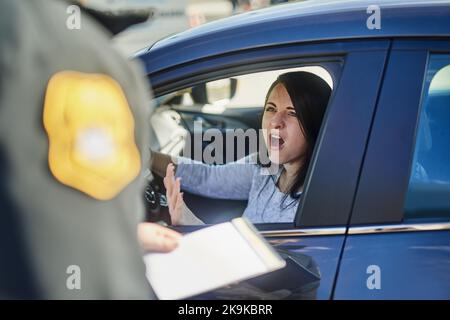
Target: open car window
219, 122
243, 91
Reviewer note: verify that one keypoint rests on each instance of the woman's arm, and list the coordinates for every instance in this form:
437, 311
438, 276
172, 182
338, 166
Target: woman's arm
228, 181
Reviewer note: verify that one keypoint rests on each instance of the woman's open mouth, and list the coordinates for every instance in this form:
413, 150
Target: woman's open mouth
276, 142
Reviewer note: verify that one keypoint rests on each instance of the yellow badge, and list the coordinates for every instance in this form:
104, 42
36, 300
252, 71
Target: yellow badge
91, 134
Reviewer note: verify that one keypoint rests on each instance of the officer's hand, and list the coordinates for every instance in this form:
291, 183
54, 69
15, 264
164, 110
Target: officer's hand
156, 238
174, 195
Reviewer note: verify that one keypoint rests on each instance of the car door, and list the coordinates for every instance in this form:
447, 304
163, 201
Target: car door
398, 245
320, 226
314, 241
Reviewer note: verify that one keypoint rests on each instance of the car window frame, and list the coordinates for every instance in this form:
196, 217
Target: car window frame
313, 212
388, 178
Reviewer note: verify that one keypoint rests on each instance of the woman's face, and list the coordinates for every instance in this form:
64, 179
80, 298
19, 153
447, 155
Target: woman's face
282, 133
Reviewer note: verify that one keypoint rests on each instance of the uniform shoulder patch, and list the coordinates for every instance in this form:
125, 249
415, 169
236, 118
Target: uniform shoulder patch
90, 129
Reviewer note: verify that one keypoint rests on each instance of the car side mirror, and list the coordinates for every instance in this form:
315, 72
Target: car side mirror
214, 91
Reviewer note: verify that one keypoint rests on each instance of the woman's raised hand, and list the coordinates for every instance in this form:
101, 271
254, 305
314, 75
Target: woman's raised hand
173, 194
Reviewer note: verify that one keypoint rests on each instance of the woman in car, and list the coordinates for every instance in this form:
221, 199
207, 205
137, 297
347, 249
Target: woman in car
293, 113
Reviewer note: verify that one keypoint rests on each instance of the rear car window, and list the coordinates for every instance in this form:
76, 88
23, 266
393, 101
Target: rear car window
428, 192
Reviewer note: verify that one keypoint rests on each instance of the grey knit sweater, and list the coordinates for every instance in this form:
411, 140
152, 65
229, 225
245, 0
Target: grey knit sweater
240, 180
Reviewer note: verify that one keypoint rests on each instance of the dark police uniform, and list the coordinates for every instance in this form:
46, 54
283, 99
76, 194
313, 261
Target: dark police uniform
73, 137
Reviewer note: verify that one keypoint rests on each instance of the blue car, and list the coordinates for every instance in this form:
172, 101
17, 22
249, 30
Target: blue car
374, 220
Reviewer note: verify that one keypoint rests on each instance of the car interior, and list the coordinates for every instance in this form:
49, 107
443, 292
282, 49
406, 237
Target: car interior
231, 104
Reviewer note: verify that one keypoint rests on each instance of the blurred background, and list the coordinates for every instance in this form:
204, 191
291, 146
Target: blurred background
167, 17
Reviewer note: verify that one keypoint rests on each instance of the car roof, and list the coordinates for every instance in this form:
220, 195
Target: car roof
307, 21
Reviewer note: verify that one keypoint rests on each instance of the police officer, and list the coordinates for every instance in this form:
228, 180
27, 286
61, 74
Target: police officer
73, 143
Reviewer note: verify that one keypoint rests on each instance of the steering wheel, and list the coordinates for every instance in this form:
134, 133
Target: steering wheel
152, 199
155, 201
